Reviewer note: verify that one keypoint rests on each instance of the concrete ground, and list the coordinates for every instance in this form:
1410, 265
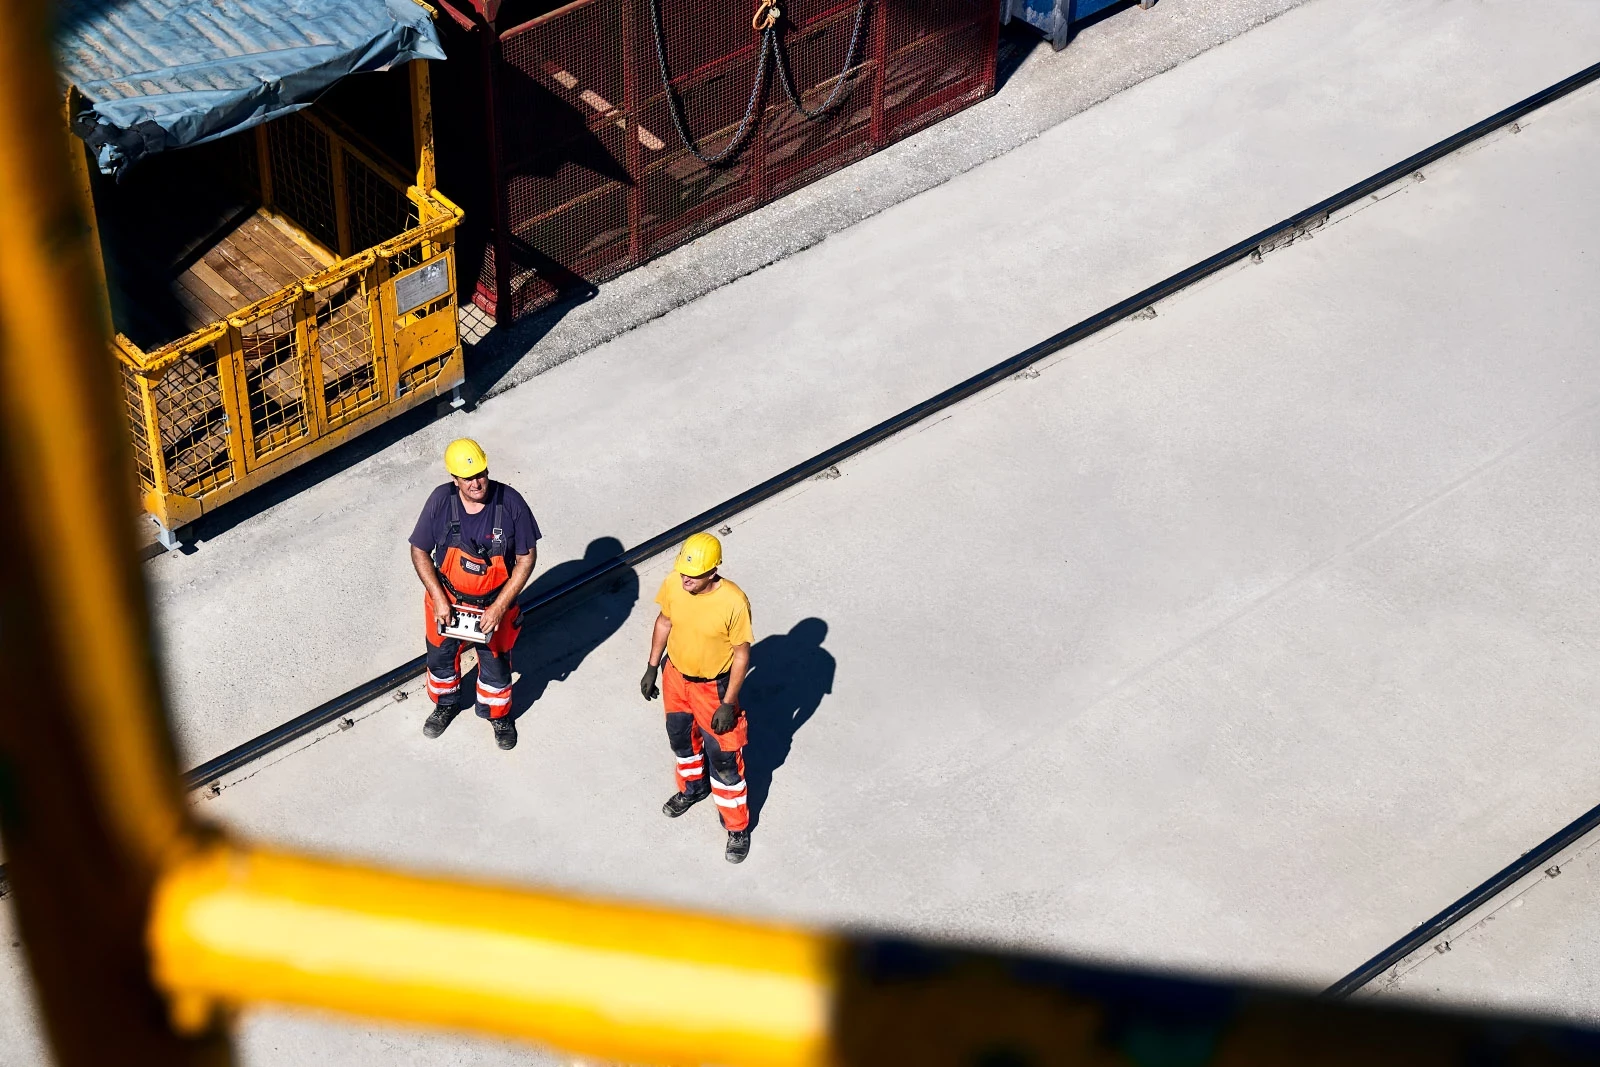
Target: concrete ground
301, 601
1194, 649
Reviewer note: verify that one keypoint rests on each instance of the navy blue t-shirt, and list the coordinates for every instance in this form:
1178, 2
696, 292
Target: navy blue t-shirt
433, 525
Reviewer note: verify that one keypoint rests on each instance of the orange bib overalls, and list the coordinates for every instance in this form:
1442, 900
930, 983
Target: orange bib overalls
473, 576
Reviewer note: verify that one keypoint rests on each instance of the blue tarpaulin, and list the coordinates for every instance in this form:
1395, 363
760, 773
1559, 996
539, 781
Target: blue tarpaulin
161, 74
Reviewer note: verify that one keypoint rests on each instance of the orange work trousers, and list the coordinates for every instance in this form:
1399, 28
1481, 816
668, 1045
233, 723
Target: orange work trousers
689, 706
494, 664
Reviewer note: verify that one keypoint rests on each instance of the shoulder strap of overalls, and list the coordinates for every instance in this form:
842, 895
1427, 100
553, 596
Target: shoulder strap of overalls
452, 538
497, 533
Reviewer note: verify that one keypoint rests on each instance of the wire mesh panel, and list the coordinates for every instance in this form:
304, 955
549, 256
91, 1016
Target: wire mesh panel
350, 384
600, 167
800, 149
715, 67
134, 411
422, 374
193, 422
274, 383
927, 65
563, 159
301, 157
378, 208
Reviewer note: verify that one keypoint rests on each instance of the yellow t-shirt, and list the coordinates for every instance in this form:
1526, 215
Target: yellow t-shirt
705, 627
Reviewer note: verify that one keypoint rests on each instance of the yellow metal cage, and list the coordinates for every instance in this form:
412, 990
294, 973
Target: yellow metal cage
370, 331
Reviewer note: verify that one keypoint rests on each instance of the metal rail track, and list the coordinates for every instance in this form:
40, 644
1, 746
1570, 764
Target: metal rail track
1275, 236
1502, 880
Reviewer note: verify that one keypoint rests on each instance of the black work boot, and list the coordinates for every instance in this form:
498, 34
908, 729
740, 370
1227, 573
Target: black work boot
678, 803
738, 846
442, 716
505, 732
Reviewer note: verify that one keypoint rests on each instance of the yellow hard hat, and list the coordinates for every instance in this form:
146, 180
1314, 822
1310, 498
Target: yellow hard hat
701, 554
464, 458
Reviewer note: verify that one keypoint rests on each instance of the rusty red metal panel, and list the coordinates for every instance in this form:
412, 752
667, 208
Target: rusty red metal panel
592, 174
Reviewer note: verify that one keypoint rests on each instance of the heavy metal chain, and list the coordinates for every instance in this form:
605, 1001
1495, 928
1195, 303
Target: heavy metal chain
765, 22
675, 106
839, 83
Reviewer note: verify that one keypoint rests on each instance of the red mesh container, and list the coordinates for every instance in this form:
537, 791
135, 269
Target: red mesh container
557, 135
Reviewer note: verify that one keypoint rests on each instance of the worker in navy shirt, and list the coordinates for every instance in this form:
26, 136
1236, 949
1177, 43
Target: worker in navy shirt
474, 545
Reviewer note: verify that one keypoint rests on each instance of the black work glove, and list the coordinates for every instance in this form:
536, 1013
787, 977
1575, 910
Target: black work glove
724, 719
647, 684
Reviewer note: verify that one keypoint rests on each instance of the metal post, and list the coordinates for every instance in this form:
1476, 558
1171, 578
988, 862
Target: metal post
422, 124
167, 539
632, 103
489, 60
341, 195
880, 48
76, 158
264, 165
89, 805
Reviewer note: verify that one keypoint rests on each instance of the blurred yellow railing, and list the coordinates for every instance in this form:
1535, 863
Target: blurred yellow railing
233, 926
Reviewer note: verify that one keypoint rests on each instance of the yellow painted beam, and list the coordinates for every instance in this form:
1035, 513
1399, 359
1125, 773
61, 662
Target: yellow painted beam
422, 124
232, 926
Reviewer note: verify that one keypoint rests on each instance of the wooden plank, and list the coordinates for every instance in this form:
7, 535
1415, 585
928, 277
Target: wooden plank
273, 255
272, 233
199, 312
249, 292
218, 284
199, 304
246, 241
214, 304
237, 251
199, 298
311, 247
268, 250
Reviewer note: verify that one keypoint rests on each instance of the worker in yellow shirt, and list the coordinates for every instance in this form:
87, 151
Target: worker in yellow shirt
703, 631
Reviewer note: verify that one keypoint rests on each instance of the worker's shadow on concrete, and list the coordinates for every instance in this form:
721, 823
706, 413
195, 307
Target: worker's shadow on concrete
789, 675
551, 649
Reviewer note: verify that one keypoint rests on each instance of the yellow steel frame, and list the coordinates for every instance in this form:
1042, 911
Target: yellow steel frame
400, 341
144, 930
